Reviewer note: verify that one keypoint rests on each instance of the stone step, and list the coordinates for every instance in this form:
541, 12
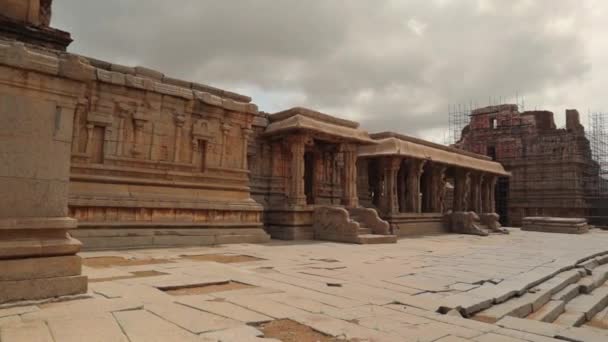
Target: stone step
364, 231
532, 300
570, 319
568, 293
600, 320
376, 239
584, 307
549, 312
532, 327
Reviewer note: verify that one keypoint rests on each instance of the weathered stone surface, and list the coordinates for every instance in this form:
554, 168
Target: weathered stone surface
549, 312
581, 335
41, 288
225, 309
571, 319
32, 268
142, 326
537, 152
555, 225
531, 326
193, 320
589, 304
100, 328
26, 332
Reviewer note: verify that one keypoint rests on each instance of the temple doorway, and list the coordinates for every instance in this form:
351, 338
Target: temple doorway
309, 176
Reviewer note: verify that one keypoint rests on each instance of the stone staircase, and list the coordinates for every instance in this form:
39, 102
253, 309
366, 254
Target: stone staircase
355, 225
573, 305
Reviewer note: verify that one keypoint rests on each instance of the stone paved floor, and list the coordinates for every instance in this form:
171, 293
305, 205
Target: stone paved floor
358, 292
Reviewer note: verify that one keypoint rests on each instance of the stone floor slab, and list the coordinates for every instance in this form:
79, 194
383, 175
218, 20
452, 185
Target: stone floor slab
100, 328
224, 309
143, 326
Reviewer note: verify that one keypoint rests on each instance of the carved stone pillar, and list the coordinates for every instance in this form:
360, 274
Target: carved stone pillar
349, 178
475, 191
80, 111
89, 145
390, 201
438, 185
414, 172
485, 195
139, 120
492, 193
402, 187
179, 124
246, 131
266, 160
461, 190
297, 147
225, 130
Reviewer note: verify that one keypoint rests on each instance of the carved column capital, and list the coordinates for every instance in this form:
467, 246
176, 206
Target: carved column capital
180, 119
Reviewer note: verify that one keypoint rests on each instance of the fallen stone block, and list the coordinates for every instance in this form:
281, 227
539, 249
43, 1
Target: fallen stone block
555, 225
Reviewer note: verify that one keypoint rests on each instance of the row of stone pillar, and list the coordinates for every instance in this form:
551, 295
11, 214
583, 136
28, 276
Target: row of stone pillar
474, 191
402, 190
296, 194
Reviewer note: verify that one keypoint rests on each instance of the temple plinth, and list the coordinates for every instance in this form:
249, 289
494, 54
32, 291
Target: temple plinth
38, 98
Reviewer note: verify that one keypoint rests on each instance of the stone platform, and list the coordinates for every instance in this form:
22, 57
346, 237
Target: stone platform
388, 292
555, 225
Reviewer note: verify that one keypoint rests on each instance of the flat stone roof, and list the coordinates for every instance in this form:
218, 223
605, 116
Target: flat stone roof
303, 119
392, 144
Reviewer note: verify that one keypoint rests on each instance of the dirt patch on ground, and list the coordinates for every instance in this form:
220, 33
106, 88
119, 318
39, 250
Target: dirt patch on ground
287, 330
136, 274
111, 261
222, 258
189, 290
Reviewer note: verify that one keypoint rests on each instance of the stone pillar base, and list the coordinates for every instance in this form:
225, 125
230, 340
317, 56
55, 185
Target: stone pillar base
38, 259
41, 288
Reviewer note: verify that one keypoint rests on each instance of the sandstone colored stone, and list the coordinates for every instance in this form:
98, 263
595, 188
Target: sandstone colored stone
34, 268
590, 304
571, 318
549, 312
225, 309
193, 320
41, 288
143, 326
98, 328
531, 326
26, 332
539, 153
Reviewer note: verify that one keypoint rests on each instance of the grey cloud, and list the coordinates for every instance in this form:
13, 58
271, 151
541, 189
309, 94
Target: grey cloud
395, 65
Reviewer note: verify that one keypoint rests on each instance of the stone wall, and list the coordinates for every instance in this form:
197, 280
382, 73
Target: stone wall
161, 155
553, 172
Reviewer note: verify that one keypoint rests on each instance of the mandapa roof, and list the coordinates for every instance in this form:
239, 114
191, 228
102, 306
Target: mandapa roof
302, 119
396, 146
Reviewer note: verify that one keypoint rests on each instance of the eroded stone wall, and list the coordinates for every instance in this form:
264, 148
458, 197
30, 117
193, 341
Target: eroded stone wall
553, 173
151, 152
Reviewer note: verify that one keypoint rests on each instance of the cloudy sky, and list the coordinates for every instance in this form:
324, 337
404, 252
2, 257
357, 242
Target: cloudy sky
393, 65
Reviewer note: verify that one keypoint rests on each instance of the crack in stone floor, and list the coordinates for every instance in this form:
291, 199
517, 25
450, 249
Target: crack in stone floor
288, 282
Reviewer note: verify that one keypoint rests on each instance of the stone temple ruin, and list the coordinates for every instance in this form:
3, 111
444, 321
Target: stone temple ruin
123, 157
553, 170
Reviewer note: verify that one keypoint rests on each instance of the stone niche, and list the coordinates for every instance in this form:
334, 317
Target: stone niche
156, 162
